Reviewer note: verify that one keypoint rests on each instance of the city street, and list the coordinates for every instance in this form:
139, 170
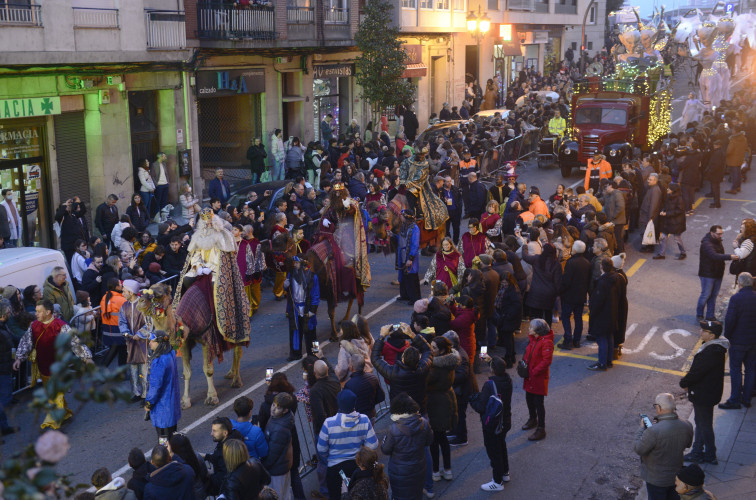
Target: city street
591, 418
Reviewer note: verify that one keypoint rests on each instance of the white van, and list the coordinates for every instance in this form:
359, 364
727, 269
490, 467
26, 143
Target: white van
26, 266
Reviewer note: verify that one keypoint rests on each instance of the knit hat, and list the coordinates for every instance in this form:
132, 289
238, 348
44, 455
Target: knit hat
692, 475
8, 292
131, 286
154, 268
535, 190
619, 260
421, 306
346, 400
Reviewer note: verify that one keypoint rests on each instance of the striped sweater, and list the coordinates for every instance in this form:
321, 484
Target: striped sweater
342, 436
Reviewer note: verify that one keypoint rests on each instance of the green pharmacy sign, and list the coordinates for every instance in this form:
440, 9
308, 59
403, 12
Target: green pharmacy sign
25, 107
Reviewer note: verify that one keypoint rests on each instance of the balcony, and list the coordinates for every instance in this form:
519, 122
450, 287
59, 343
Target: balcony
20, 15
336, 16
542, 6
85, 17
300, 23
523, 5
219, 21
565, 9
166, 29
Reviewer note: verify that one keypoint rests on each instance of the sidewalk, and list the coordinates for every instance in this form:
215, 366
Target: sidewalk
735, 475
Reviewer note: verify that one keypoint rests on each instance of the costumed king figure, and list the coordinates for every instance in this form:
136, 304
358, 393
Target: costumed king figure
301, 307
414, 173
38, 345
408, 258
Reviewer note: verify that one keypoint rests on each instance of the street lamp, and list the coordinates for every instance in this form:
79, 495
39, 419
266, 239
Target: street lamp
478, 25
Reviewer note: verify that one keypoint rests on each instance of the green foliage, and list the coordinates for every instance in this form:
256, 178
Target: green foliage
28, 473
380, 67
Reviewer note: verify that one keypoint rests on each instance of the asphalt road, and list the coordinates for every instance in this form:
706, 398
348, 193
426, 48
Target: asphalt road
591, 418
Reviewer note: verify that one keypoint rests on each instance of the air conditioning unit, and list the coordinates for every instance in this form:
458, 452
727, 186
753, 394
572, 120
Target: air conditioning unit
526, 37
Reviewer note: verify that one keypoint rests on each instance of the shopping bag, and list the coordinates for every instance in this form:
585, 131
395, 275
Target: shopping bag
649, 235
265, 177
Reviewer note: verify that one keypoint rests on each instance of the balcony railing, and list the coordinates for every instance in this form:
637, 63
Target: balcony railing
85, 17
526, 5
166, 29
542, 7
300, 15
565, 9
337, 16
219, 21
20, 15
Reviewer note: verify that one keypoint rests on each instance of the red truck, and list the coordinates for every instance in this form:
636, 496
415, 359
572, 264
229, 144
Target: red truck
612, 122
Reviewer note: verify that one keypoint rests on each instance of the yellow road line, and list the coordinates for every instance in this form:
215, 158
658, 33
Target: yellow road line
698, 202
689, 361
635, 267
622, 363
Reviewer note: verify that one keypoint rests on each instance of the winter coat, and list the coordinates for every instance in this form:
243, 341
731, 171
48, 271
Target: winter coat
146, 183
323, 402
254, 437
405, 445
362, 485
367, 388
105, 218
174, 480
712, 258
442, 403
715, 168
491, 283
219, 465
464, 381
115, 490
246, 481
215, 190
604, 305
614, 207
439, 315
256, 156
622, 308
7, 344
463, 325
705, 379
650, 206
400, 377
576, 280
741, 318
200, 477
394, 347
509, 308
661, 448
139, 479
606, 231
280, 451
73, 225
544, 287
673, 221
140, 217
164, 394
62, 297
736, 149
589, 233
347, 348
479, 400
538, 355
478, 196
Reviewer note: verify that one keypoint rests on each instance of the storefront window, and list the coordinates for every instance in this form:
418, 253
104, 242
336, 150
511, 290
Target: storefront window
326, 97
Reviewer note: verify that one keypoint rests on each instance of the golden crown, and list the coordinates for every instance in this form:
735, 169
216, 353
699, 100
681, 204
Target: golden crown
207, 214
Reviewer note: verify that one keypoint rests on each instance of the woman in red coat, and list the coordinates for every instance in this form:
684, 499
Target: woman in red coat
463, 324
538, 356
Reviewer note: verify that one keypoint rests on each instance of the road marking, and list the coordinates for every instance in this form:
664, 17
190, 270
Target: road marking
622, 363
643, 342
698, 202
678, 350
689, 361
635, 267
204, 418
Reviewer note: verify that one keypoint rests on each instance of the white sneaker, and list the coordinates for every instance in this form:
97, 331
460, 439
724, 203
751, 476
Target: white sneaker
447, 474
505, 478
491, 486
428, 494
437, 476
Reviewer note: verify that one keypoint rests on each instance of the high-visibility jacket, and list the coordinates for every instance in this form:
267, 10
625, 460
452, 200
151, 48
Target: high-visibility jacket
605, 171
557, 126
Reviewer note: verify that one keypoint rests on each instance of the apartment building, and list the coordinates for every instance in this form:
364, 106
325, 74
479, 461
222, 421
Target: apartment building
446, 56
87, 88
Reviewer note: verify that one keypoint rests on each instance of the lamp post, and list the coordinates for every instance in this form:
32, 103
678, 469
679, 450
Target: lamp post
582, 38
478, 25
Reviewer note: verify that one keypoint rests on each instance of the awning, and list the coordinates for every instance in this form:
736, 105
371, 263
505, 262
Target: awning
415, 70
508, 48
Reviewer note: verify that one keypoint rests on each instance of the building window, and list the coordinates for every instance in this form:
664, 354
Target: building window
493, 4
590, 45
459, 5
592, 15
409, 4
442, 5
426, 4
574, 45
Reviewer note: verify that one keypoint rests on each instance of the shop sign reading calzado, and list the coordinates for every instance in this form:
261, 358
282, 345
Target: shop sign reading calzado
25, 107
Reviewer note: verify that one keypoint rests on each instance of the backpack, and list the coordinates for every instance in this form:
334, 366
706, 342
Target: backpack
492, 417
745, 265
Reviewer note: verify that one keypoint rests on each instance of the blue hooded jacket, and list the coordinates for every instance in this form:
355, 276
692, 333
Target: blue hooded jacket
174, 480
164, 394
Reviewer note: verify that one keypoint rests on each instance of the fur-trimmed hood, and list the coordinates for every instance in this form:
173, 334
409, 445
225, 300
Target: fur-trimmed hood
449, 361
356, 346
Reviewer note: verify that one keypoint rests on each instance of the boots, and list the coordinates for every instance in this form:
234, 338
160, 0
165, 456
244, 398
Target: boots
530, 424
617, 353
539, 434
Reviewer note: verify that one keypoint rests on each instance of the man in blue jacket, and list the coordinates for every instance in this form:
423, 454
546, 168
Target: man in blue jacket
303, 292
219, 188
711, 268
739, 330
407, 258
170, 479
